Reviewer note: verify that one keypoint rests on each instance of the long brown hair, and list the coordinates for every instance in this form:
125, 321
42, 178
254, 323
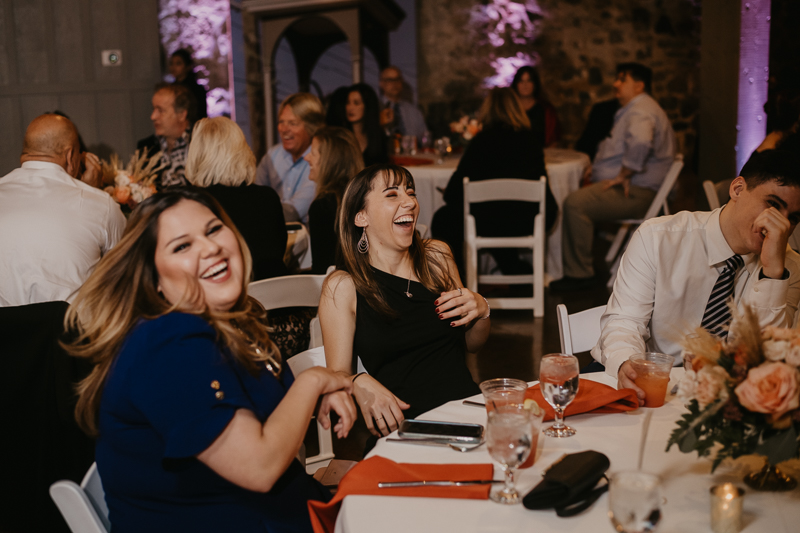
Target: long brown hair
124, 289
340, 160
503, 106
429, 261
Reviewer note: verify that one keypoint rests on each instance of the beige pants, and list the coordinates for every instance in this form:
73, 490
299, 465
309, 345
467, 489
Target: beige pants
586, 206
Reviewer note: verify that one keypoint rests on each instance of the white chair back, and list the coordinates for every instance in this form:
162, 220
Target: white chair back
711, 194
515, 190
579, 332
82, 506
302, 290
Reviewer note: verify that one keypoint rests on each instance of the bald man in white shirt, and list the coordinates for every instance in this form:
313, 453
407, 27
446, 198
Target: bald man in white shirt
672, 264
53, 226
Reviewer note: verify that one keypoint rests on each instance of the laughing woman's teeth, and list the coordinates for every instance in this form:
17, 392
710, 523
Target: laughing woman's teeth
215, 270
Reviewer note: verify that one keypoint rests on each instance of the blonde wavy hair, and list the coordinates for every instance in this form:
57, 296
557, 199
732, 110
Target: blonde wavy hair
308, 108
340, 160
219, 154
502, 105
123, 289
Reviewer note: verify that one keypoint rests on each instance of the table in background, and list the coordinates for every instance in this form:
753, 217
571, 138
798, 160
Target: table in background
686, 481
564, 170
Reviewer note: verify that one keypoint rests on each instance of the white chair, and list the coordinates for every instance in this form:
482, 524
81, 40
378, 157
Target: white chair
629, 225
507, 189
579, 332
711, 194
82, 506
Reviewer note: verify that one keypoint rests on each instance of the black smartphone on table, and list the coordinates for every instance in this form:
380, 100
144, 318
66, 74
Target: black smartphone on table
443, 431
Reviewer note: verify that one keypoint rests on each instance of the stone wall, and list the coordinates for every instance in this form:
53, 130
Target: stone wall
578, 44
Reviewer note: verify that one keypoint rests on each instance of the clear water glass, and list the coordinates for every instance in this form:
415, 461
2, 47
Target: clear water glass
634, 502
558, 380
509, 437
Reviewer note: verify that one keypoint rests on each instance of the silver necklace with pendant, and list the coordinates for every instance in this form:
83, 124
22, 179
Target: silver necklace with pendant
408, 287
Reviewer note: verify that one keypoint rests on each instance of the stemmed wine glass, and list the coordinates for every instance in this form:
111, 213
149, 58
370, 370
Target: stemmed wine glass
509, 443
634, 502
558, 379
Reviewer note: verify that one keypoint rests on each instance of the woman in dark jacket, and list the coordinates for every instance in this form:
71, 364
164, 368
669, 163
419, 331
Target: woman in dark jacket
541, 113
505, 148
181, 66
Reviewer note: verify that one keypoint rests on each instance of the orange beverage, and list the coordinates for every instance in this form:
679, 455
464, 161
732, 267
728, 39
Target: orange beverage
652, 376
654, 385
503, 391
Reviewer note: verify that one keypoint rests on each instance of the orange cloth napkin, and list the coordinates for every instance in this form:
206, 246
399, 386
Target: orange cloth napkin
365, 476
592, 397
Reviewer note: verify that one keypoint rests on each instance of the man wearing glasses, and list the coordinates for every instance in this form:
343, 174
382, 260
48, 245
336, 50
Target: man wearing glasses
399, 116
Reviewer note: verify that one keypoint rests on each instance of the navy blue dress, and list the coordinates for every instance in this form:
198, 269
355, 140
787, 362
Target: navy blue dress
161, 407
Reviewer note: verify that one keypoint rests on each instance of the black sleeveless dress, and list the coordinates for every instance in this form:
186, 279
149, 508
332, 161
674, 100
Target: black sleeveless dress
418, 357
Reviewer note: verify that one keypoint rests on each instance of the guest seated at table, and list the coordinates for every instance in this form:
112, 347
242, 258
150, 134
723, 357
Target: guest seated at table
679, 271
334, 159
198, 422
397, 303
221, 161
541, 113
283, 168
363, 119
505, 148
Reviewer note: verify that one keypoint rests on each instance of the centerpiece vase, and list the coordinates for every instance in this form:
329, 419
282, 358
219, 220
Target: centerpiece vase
771, 479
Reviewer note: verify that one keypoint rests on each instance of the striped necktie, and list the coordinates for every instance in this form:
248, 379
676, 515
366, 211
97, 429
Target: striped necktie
717, 314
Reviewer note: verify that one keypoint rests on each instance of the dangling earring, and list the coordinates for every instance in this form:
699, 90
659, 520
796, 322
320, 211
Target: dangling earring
363, 242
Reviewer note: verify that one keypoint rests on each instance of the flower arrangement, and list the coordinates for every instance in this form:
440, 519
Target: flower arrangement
133, 184
467, 127
743, 395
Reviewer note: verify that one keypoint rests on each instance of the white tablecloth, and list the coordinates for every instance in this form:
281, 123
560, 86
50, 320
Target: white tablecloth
686, 481
564, 170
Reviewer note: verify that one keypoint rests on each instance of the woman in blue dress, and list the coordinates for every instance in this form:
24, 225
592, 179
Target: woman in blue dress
197, 421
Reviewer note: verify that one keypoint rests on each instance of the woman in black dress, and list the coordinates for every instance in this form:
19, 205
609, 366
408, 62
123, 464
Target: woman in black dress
541, 113
362, 110
333, 160
505, 148
220, 160
181, 66
397, 303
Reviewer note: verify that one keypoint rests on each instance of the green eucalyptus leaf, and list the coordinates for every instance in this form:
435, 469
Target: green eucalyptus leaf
688, 443
779, 447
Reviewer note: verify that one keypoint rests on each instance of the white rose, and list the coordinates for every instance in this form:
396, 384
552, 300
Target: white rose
775, 350
122, 178
137, 193
710, 385
793, 355
687, 386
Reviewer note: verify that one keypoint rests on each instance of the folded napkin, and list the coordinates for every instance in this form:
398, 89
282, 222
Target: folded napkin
592, 397
365, 476
410, 161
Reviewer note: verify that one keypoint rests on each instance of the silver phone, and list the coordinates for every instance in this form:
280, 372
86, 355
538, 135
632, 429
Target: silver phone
443, 431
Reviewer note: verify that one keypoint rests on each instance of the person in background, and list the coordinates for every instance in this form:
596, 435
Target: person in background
505, 148
198, 420
172, 116
54, 227
284, 167
334, 159
541, 113
396, 302
363, 119
336, 108
398, 115
220, 160
181, 67
626, 174
598, 126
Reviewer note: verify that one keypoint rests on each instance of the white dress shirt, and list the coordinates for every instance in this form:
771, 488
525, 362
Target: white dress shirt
664, 282
53, 230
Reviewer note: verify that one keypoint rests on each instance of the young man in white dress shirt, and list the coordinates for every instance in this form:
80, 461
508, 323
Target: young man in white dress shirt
673, 263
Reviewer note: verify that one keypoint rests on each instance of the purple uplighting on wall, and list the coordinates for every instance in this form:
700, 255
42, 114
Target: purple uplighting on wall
753, 76
202, 27
506, 25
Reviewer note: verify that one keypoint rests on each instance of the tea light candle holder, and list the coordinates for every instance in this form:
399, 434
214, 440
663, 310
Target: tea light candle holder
726, 508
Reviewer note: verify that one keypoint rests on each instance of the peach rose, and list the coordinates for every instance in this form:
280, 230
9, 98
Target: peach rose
122, 194
710, 385
775, 350
771, 388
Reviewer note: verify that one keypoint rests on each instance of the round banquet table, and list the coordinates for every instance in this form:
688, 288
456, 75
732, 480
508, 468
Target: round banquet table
685, 480
564, 170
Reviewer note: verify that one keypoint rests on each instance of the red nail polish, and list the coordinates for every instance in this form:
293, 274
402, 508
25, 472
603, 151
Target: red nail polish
441, 317
437, 309
453, 324
436, 303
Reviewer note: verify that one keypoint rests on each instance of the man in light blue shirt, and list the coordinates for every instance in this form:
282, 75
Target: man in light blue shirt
284, 167
627, 171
